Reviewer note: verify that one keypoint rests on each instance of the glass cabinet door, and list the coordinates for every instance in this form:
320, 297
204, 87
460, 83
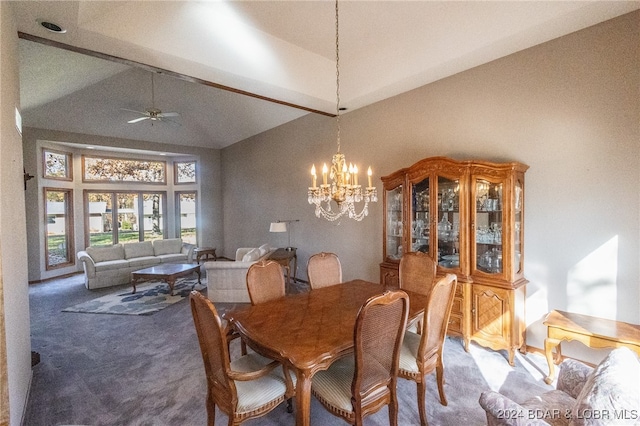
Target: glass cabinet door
394, 203
517, 209
488, 226
420, 225
448, 225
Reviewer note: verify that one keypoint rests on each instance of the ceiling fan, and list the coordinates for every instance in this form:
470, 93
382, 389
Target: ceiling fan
153, 113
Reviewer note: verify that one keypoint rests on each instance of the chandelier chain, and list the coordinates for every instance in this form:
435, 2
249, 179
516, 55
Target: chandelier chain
344, 189
337, 77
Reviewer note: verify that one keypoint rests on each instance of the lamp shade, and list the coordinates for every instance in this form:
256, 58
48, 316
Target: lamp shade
278, 227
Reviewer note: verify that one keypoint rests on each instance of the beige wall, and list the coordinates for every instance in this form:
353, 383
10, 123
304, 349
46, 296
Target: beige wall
15, 349
209, 193
568, 108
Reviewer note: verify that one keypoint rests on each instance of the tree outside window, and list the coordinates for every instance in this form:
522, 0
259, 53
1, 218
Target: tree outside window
185, 172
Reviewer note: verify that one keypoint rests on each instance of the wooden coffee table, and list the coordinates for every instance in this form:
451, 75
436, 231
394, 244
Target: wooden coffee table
168, 272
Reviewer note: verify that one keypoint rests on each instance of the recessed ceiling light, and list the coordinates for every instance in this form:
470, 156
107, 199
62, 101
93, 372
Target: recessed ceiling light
50, 26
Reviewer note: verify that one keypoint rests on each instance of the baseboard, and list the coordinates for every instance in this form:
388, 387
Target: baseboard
70, 274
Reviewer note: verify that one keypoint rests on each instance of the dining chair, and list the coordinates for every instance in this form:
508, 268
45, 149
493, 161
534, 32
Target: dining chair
362, 383
420, 354
417, 273
265, 281
250, 386
324, 270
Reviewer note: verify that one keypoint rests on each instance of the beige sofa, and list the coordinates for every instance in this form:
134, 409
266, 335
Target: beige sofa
112, 265
227, 280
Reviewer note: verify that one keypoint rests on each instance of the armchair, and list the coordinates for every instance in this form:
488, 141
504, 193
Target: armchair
608, 394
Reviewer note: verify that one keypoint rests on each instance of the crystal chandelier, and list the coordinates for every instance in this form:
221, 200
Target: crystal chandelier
344, 189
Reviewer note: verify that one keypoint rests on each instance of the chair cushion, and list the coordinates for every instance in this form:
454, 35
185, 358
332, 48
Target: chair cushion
104, 254
252, 255
254, 394
409, 352
552, 407
168, 246
333, 385
140, 249
614, 387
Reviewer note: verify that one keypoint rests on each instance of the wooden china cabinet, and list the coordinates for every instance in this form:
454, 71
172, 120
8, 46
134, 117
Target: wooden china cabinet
469, 216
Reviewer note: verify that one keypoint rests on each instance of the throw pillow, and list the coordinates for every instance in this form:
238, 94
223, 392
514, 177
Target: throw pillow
252, 255
264, 249
612, 392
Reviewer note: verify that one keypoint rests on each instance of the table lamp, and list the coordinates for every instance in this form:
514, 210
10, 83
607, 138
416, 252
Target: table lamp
281, 226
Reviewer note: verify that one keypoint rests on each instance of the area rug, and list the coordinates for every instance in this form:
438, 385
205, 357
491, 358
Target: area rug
149, 298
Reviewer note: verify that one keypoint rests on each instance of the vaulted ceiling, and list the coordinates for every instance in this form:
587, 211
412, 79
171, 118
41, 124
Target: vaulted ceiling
233, 69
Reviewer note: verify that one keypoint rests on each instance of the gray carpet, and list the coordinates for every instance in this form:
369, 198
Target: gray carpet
147, 370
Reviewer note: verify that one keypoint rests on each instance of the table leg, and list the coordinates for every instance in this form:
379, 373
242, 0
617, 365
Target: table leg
133, 283
303, 398
171, 282
549, 344
199, 276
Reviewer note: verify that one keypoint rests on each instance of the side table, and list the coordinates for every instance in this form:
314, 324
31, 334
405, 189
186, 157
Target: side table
284, 256
205, 252
591, 331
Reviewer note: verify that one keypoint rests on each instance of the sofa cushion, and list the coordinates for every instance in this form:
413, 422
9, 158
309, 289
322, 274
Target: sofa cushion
141, 249
110, 265
144, 262
105, 254
613, 387
172, 258
252, 255
169, 246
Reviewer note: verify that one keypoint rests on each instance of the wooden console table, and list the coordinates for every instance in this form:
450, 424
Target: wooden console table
284, 256
591, 331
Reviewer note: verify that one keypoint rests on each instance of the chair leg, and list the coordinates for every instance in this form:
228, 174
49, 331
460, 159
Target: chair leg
422, 409
243, 347
440, 378
393, 410
211, 412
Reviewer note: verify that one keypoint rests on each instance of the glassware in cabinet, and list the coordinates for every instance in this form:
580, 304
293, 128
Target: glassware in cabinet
489, 226
448, 226
394, 223
420, 219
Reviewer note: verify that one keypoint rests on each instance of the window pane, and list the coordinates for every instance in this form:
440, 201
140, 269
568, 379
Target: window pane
57, 165
100, 218
153, 225
127, 217
187, 216
185, 172
58, 224
121, 170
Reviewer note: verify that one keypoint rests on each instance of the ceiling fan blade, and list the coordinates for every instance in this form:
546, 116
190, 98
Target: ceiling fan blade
169, 114
172, 122
133, 110
136, 120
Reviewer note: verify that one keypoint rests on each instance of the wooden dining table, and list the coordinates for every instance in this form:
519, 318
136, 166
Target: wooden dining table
309, 331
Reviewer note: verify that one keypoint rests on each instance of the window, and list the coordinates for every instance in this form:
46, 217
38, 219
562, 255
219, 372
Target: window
186, 203
184, 172
57, 165
124, 216
59, 227
98, 169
